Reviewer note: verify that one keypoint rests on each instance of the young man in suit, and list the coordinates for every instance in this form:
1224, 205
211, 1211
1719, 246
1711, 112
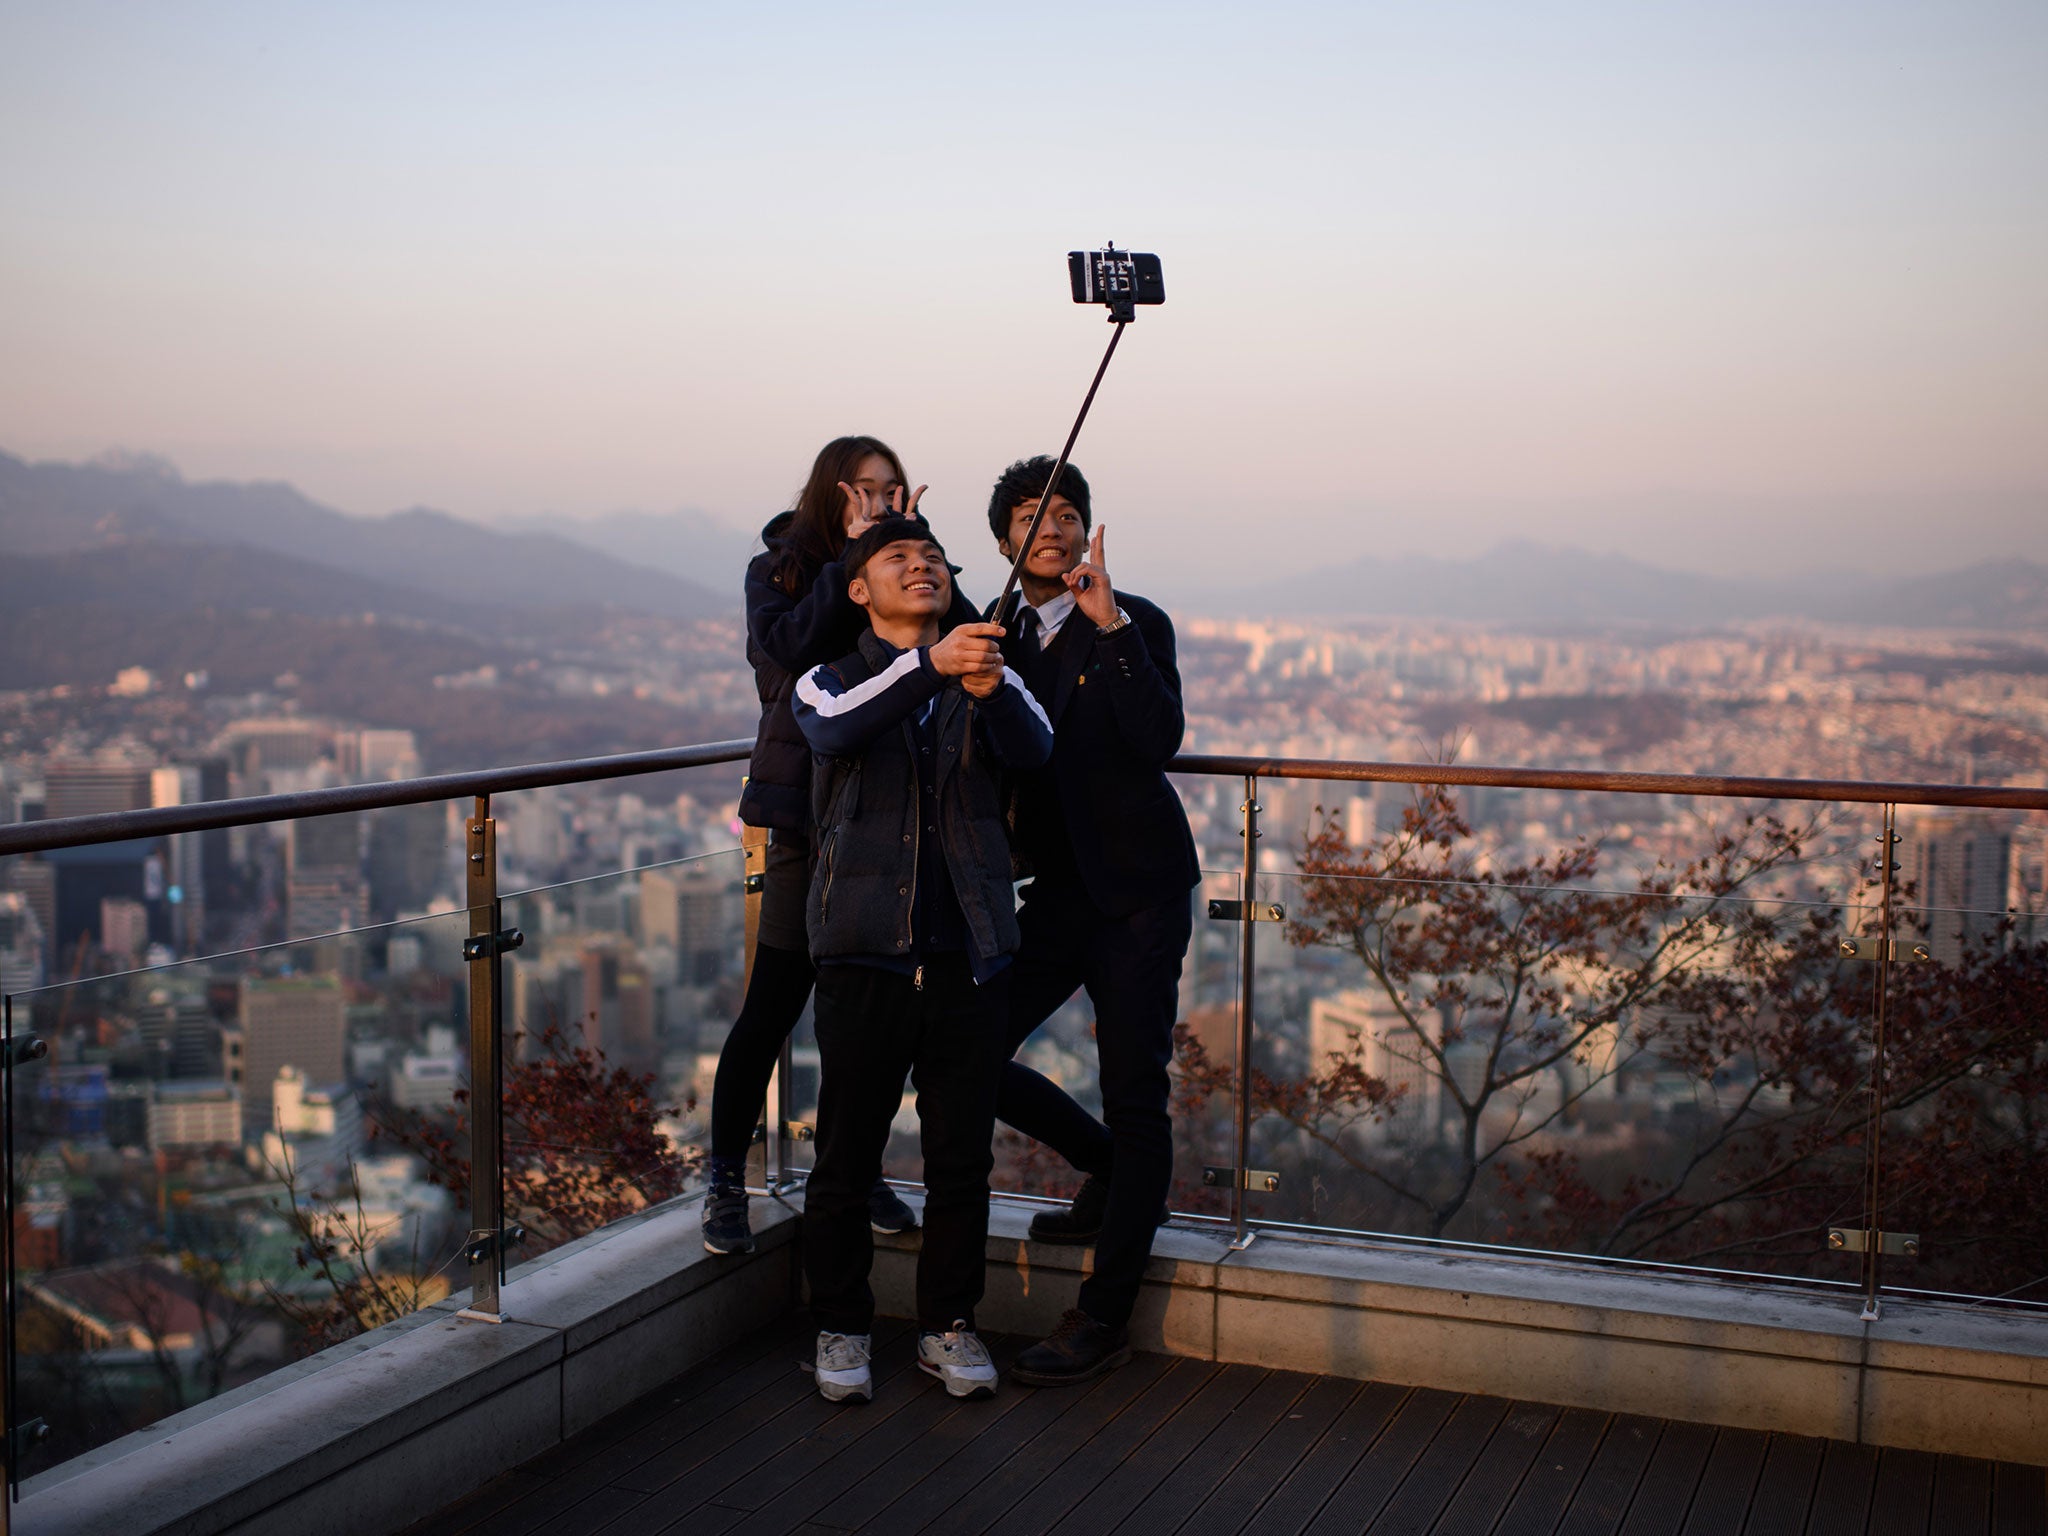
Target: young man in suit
1108, 906
913, 925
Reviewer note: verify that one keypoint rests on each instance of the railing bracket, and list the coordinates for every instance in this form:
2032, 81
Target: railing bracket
1261, 911
482, 946
799, 1130
22, 1439
485, 1244
1858, 1240
1258, 1180
22, 1049
1874, 949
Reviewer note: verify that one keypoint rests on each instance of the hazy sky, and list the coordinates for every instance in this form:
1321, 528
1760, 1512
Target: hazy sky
1726, 285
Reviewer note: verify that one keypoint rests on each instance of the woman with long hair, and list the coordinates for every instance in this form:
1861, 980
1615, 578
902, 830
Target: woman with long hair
798, 616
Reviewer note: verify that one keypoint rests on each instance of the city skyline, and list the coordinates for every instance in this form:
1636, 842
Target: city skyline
1715, 291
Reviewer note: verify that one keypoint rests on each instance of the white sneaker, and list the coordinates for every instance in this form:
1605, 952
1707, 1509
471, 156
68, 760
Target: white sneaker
843, 1367
958, 1359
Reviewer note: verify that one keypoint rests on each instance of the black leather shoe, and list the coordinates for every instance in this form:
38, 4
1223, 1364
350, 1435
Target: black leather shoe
886, 1211
1080, 1222
1080, 1349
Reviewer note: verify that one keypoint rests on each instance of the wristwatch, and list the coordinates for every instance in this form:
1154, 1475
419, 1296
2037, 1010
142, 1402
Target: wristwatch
1114, 624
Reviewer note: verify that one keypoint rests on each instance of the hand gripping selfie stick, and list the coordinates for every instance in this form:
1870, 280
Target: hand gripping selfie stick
1120, 281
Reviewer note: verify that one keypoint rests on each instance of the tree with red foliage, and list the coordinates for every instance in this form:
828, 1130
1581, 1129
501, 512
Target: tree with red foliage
1513, 995
582, 1143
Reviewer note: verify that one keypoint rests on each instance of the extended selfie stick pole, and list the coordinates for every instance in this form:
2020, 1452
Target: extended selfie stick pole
1024, 546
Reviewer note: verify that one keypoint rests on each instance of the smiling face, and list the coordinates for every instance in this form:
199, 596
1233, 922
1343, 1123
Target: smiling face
906, 581
1061, 541
878, 477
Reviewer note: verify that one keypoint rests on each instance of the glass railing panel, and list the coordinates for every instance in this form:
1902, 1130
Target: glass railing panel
226, 1164
616, 1005
1963, 1152
1538, 1049
1063, 1050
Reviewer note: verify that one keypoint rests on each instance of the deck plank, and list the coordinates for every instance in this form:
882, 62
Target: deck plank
1553, 1478
1267, 1467
807, 1431
1609, 1486
1026, 1444
1666, 1491
1178, 1452
2019, 1501
1358, 1500
1841, 1495
1784, 1489
1440, 1471
1903, 1501
1498, 1469
1721, 1500
1074, 1457
1307, 1489
608, 1446
1962, 1495
712, 1434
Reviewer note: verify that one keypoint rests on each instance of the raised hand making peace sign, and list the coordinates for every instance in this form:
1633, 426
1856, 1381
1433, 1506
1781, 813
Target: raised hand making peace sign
1089, 582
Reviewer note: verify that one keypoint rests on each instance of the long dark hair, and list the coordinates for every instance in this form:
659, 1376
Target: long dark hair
817, 532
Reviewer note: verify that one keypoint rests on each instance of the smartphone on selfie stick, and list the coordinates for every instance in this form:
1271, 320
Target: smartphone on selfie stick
1119, 281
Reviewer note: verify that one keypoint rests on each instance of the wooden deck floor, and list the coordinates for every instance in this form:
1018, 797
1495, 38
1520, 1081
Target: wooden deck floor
742, 1444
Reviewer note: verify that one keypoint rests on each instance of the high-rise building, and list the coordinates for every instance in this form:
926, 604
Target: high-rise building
408, 859
188, 855
377, 756
95, 788
1959, 864
1363, 1026
693, 910
285, 1021
324, 887
260, 747
194, 1114
124, 929
618, 1002
21, 945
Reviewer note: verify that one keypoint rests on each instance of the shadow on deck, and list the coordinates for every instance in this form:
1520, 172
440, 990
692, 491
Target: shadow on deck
743, 1444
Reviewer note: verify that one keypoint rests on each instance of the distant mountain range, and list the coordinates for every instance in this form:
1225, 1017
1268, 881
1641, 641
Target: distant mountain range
691, 544
79, 510
134, 535
1522, 583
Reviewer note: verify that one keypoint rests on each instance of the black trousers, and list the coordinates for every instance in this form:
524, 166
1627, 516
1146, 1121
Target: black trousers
873, 1027
777, 990
1131, 968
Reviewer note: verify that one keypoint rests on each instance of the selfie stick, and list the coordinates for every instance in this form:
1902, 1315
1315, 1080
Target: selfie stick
1059, 468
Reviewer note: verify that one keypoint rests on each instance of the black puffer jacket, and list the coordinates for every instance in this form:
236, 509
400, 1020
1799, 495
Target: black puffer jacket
786, 637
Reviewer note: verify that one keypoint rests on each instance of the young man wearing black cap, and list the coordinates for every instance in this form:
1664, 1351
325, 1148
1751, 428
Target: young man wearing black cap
1108, 906
913, 924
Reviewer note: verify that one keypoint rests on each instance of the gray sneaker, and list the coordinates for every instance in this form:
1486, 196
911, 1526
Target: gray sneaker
843, 1367
958, 1359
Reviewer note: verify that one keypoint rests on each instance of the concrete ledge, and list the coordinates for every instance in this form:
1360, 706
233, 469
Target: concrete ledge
386, 1429
1925, 1376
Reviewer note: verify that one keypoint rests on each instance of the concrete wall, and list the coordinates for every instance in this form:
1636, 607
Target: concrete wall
388, 1428
1756, 1356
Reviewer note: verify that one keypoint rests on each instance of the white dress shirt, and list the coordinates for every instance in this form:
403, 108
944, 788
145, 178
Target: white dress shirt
1051, 616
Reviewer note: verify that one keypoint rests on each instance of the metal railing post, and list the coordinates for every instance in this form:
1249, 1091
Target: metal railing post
486, 1250
1887, 870
16, 1439
1241, 1158
775, 1136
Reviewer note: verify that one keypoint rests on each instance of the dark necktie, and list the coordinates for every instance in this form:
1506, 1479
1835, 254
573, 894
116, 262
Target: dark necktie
1027, 630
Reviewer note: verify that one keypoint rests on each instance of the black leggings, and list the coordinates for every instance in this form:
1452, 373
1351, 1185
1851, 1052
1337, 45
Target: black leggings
776, 994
